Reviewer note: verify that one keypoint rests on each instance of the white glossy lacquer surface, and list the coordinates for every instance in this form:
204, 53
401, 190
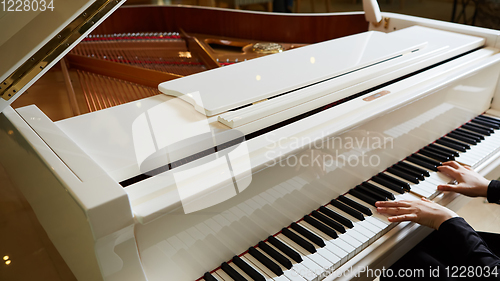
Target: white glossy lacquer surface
113, 137
189, 245
241, 84
120, 138
174, 245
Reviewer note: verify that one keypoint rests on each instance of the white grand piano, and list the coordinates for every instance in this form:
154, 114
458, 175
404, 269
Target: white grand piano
262, 170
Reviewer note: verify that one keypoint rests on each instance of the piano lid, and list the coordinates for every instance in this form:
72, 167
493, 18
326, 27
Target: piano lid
234, 86
32, 41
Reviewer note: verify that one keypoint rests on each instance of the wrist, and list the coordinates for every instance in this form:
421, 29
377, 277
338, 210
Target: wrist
444, 217
484, 188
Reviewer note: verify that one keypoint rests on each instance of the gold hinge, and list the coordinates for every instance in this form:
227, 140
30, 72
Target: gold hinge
55, 47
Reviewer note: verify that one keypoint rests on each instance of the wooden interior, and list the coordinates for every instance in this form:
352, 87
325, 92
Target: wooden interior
138, 47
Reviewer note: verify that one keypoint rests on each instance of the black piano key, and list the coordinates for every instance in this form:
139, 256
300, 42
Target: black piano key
277, 256
480, 126
363, 197
433, 155
250, 271
465, 135
486, 124
285, 249
321, 227
299, 240
348, 209
371, 193
476, 129
328, 221
420, 176
462, 138
363, 209
276, 269
489, 119
208, 277
308, 235
444, 149
332, 214
450, 145
378, 190
388, 184
450, 157
422, 163
405, 185
414, 168
231, 272
469, 133
455, 142
403, 175
427, 159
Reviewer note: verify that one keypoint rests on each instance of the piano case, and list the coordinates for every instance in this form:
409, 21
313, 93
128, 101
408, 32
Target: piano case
174, 182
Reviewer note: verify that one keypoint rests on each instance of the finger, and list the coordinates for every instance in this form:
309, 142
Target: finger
395, 211
449, 187
450, 171
401, 203
425, 199
453, 164
407, 217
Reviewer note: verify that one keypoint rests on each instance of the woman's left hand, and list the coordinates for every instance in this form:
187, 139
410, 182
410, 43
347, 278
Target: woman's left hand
424, 212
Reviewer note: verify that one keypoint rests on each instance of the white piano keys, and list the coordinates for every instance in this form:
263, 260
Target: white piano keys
259, 267
222, 275
306, 272
480, 151
423, 188
373, 229
315, 262
341, 254
290, 274
335, 260
286, 202
241, 272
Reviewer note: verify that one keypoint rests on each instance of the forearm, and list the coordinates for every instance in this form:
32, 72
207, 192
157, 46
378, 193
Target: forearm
494, 192
463, 242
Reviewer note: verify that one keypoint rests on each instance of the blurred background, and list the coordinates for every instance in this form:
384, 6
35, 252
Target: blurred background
484, 13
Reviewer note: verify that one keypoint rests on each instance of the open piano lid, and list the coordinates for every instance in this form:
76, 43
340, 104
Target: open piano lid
31, 42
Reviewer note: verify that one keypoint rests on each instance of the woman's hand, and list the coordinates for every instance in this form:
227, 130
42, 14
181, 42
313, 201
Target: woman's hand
470, 183
424, 212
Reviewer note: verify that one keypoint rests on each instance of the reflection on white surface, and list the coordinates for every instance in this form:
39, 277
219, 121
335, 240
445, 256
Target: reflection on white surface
466, 88
241, 166
204, 186
416, 122
193, 244
143, 143
200, 184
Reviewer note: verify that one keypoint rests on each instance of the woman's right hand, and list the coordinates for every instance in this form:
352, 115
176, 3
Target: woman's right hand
470, 183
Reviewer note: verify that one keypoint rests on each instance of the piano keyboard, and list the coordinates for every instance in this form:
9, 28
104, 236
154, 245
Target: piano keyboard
313, 247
